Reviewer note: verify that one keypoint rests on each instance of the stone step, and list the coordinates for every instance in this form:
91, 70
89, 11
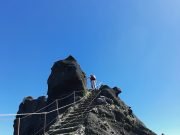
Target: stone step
69, 122
87, 105
81, 106
63, 130
80, 119
74, 117
77, 113
71, 133
84, 107
65, 125
82, 110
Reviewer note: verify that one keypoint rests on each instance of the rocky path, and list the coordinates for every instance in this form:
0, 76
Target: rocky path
72, 123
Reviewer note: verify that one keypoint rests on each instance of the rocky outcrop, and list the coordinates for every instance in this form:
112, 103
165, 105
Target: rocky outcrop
113, 118
30, 123
66, 76
97, 112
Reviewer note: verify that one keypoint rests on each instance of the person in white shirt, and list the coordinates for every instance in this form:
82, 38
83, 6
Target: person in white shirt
93, 81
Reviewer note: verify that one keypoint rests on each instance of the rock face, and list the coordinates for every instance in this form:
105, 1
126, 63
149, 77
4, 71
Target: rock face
66, 76
99, 112
113, 118
30, 123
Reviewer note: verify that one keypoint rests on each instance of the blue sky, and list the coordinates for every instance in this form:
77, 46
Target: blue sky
131, 44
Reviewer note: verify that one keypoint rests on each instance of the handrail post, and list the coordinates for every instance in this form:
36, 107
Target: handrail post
74, 96
19, 122
57, 107
45, 122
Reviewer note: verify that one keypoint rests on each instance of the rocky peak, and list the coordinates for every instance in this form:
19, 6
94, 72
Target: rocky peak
97, 112
66, 76
70, 58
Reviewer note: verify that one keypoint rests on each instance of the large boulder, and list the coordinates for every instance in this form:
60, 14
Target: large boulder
66, 76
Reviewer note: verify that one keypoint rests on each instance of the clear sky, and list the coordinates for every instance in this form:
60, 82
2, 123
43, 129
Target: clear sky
133, 44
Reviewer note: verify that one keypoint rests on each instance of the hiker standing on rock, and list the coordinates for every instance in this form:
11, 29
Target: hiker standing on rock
93, 81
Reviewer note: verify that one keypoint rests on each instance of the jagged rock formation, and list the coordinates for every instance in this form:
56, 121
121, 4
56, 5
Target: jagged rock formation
99, 112
66, 77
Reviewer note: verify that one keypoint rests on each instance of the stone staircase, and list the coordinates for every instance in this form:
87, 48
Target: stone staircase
72, 123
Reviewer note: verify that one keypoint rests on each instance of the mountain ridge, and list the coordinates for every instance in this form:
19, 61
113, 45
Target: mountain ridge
81, 112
